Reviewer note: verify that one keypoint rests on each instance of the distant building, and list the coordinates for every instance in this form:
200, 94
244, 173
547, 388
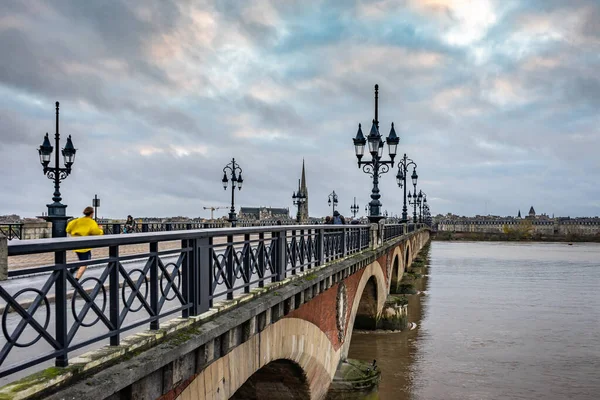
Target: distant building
262, 213
540, 224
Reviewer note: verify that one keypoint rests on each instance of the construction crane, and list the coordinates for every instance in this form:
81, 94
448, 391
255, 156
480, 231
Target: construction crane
212, 210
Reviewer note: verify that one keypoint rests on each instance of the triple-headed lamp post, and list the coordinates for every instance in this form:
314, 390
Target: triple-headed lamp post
354, 208
403, 165
376, 166
414, 201
333, 201
422, 205
299, 199
236, 181
57, 212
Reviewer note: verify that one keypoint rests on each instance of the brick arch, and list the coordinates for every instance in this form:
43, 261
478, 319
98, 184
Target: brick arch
398, 268
407, 254
372, 270
290, 339
278, 380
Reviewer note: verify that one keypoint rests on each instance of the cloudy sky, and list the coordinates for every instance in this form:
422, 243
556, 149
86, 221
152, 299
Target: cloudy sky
496, 100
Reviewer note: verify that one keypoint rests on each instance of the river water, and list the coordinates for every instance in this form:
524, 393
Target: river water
497, 321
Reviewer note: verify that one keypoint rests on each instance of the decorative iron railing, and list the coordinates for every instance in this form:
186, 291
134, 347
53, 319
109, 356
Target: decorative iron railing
58, 315
12, 231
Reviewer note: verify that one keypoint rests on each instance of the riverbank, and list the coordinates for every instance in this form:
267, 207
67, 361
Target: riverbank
504, 237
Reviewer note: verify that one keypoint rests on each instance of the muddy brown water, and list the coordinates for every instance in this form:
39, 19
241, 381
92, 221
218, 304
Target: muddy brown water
497, 321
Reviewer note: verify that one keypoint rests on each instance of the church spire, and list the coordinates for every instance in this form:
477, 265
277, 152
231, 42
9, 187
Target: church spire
303, 181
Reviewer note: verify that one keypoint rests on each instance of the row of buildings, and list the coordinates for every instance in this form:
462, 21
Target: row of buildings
530, 224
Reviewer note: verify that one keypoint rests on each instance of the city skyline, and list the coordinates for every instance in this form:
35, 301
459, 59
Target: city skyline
496, 101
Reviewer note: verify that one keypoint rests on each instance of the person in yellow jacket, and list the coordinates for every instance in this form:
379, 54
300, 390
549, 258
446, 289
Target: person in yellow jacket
84, 226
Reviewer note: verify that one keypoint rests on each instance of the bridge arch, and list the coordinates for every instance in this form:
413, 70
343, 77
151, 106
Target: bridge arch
373, 278
398, 268
289, 344
407, 254
278, 380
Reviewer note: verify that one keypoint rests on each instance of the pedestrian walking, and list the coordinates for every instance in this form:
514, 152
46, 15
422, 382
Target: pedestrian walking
83, 226
338, 219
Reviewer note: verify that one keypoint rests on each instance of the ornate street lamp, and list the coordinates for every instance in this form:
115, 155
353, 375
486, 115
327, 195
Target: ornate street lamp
376, 166
414, 200
333, 201
236, 181
422, 203
403, 165
57, 212
299, 199
354, 208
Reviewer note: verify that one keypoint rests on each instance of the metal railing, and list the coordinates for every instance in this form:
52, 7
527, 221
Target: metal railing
130, 291
12, 231
146, 227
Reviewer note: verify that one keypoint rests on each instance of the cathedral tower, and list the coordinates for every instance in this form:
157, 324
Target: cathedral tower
304, 190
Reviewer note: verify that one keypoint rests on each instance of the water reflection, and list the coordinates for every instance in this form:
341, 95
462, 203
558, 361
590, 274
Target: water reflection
395, 352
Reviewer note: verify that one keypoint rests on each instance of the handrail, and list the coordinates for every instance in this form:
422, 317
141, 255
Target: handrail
128, 291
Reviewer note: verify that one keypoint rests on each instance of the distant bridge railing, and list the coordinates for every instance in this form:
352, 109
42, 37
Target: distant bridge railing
12, 231
145, 227
129, 291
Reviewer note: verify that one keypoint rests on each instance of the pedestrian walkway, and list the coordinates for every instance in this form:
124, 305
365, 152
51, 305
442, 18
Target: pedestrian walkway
42, 259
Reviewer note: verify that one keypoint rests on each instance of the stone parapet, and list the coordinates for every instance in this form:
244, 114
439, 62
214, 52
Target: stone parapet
36, 230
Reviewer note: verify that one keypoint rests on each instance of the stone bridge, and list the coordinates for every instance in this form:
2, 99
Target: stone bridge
265, 312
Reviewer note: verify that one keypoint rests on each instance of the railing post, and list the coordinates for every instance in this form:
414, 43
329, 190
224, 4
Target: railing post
294, 253
3, 257
204, 268
167, 226
261, 258
116, 229
246, 261
144, 227
303, 255
154, 324
320, 256
280, 262
60, 306
188, 226
189, 278
229, 265
113, 288
344, 241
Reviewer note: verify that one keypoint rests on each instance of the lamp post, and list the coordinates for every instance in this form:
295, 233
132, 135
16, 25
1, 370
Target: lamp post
95, 204
376, 166
422, 203
414, 201
57, 212
299, 199
333, 200
236, 180
354, 208
403, 165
